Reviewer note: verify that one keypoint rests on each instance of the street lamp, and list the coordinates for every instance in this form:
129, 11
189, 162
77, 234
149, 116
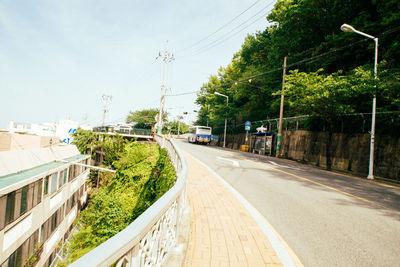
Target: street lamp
349, 28
227, 100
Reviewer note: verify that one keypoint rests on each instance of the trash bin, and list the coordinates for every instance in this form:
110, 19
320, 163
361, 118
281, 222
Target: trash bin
245, 148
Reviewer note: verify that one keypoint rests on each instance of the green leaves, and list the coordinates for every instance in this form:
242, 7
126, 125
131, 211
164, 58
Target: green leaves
172, 127
303, 29
317, 94
144, 118
84, 140
144, 174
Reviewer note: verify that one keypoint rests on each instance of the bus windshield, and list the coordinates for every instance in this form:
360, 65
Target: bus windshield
204, 130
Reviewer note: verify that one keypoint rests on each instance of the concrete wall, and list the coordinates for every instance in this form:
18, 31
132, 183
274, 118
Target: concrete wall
349, 153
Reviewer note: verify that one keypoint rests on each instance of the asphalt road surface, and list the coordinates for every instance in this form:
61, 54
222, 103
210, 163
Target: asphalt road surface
327, 219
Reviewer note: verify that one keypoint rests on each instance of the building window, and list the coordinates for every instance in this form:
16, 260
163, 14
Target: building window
61, 179
18, 202
46, 185
10, 207
53, 183
15, 259
49, 226
71, 172
31, 196
37, 193
24, 200
22, 254
65, 176
3, 203
77, 170
43, 232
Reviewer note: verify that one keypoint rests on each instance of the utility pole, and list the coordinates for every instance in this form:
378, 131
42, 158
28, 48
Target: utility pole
85, 118
166, 57
227, 101
278, 143
179, 124
106, 98
208, 113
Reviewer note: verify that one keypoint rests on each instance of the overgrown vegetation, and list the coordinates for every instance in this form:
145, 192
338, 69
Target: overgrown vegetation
328, 87
144, 173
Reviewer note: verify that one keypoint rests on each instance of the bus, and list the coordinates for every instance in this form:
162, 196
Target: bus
199, 135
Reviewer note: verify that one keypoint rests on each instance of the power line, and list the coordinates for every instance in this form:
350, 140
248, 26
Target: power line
220, 28
309, 59
302, 117
188, 93
219, 41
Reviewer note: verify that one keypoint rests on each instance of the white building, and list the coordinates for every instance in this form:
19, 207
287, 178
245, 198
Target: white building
63, 129
44, 129
40, 197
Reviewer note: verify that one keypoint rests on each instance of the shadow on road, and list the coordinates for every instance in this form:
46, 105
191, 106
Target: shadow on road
383, 198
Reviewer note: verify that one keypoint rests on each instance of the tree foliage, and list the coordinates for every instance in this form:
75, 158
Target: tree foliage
144, 174
172, 127
84, 140
338, 83
144, 118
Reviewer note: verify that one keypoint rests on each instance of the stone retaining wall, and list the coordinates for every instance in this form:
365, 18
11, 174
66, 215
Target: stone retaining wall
349, 153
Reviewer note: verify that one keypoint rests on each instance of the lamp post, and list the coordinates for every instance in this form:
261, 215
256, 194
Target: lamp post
227, 100
349, 28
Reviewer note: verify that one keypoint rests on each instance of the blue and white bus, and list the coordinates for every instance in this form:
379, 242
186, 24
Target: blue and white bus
199, 135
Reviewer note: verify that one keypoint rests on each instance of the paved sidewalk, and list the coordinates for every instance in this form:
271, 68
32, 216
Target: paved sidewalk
222, 231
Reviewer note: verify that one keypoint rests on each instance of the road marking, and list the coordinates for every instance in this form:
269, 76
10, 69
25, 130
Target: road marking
273, 163
338, 190
282, 249
284, 166
234, 162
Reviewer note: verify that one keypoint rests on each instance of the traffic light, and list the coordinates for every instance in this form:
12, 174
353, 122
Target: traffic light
185, 113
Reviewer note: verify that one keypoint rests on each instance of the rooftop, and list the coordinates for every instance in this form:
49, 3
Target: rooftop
14, 178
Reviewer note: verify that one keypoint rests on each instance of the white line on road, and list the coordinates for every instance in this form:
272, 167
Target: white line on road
234, 162
273, 163
284, 166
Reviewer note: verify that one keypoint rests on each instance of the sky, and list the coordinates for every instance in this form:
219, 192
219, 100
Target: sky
57, 58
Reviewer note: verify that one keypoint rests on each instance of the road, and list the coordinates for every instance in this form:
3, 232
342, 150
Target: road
327, 219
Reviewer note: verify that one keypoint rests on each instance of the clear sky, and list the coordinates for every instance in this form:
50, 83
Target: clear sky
57, 58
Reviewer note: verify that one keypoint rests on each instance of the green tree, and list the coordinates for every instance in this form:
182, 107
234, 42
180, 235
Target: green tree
85, 140
172, 127
113, 146
302, 29
144, 118
329, 97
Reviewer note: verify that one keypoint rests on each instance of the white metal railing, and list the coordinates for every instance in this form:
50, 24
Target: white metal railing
148, 240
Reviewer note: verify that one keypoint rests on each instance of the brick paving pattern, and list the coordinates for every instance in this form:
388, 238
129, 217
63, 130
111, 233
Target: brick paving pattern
222, 232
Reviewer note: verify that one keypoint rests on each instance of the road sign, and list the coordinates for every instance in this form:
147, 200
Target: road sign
247, 125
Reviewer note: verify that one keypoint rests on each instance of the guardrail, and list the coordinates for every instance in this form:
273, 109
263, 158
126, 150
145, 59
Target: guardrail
113, 129
148, 240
